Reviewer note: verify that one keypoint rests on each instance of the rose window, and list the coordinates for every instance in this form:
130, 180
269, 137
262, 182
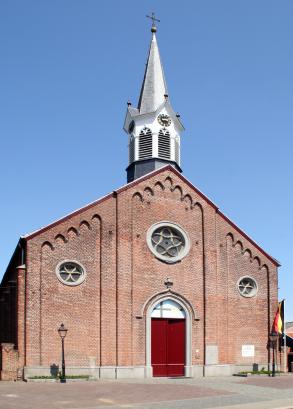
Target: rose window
70, 273
168, 242
247, 287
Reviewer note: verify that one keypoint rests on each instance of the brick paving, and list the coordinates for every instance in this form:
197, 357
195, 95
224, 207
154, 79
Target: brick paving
202, 393
275, 383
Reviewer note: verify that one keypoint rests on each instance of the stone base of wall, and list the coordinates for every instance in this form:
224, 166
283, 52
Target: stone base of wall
104, 372
123, 372
228, 370
218, 370
197, 371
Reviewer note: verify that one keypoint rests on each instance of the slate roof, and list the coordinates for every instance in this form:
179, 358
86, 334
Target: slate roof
154, 85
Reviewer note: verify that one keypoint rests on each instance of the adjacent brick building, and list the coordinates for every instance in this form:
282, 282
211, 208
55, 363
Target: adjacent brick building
151, 280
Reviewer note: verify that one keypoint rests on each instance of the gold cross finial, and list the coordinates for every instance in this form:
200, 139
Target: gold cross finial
153, 18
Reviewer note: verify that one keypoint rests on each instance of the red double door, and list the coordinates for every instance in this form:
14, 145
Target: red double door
168, 346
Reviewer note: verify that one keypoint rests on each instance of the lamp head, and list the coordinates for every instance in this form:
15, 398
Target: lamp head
62, 331
273, 336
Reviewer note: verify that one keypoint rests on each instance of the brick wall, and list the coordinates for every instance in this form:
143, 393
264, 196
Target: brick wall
9, 362
105, 315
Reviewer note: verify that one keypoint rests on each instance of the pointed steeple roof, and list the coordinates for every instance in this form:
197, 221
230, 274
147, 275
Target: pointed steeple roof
154, 87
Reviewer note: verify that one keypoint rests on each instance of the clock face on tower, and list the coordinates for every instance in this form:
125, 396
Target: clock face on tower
164, 120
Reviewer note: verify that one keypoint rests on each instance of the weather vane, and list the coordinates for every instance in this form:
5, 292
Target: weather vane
153, 18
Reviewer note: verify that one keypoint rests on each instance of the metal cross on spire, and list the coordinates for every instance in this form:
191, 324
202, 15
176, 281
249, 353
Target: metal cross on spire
153, 18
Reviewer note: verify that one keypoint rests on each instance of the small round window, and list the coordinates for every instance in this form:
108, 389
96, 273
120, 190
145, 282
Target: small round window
247, 287
70, 272
168, 241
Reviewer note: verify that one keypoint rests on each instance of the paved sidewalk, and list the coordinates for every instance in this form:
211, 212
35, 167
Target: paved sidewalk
157, 393
272, 404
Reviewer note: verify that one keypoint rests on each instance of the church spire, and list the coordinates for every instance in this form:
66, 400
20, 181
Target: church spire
154, 88
153, 127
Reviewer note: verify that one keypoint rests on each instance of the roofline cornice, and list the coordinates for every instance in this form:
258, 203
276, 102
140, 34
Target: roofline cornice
153, 113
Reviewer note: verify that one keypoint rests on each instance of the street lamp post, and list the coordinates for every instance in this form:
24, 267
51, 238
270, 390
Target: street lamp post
273, 339
62, 331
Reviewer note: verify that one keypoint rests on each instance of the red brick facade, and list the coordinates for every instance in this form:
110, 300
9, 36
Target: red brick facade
106, 315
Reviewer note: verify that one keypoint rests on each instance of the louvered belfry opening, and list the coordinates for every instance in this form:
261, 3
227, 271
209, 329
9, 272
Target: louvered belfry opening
131, 150
145, 146
164, 144
177, 151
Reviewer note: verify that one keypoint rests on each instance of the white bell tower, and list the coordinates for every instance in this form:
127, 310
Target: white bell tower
153, 127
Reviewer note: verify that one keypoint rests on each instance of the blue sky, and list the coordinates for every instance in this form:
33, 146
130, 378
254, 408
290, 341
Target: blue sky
68, 68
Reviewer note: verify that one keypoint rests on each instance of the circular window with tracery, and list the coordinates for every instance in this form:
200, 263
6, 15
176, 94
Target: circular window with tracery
247, 287
168, 241
70, 272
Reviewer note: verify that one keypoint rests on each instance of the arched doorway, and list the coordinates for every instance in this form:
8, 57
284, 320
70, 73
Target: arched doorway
168, 338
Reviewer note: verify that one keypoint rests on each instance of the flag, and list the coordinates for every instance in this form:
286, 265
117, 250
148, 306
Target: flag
278, 324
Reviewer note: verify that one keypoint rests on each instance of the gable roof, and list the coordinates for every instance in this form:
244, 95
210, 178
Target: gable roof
139, 180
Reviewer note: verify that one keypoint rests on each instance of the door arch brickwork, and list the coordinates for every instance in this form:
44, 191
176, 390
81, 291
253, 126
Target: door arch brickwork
189, 315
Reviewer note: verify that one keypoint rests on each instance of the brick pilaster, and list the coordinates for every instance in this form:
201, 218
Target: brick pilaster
21, 316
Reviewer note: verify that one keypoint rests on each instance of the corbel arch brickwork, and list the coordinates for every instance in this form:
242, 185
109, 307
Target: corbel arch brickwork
243, 320
85, 238
165, 198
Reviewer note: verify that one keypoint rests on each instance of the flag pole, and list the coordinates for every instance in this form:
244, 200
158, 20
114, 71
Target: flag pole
285, 341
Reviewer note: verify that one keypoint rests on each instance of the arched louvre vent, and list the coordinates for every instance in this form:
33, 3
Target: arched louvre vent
145, 148
177, 151
164, 144
131, 150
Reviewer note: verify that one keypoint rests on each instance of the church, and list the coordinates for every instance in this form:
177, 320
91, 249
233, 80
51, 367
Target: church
152, 280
